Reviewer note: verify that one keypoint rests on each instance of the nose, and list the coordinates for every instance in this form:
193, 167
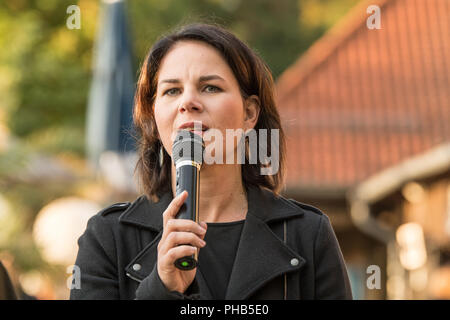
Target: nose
190, 103
190, 106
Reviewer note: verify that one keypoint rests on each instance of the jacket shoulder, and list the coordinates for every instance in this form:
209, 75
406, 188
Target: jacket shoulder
305, 207
120, 206
107, 218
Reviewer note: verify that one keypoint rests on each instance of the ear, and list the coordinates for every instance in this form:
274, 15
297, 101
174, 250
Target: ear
251, 112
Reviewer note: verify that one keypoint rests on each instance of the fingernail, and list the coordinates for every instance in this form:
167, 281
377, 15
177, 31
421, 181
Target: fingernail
181, 197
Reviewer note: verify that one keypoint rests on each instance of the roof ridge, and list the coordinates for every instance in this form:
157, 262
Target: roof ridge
315, 55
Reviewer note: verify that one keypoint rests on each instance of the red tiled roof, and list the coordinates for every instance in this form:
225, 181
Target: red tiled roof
361, 100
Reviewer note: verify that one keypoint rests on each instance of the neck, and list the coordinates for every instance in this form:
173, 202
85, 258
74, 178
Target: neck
222, 194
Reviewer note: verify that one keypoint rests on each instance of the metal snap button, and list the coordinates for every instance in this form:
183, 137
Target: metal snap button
136, 267
294, 262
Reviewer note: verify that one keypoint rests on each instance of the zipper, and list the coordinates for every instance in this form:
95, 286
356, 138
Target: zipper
134, 278
285, 275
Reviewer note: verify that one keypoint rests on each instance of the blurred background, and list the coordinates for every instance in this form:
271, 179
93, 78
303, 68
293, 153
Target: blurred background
366, 112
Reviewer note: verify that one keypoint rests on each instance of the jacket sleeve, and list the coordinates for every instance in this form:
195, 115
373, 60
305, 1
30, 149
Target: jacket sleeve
152, 288
96, 263
331, 278
98, 272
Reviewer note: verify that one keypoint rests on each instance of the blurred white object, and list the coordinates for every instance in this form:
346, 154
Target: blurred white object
118, 170
41, 167
413, 254
32, 282
59, 225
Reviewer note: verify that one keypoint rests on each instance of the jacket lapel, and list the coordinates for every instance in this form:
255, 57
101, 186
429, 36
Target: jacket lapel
261, 255
147, 215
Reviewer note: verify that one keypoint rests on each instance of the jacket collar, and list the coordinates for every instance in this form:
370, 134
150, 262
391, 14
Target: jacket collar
261, 255
262, 204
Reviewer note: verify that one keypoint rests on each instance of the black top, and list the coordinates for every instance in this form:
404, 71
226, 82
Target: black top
217, 257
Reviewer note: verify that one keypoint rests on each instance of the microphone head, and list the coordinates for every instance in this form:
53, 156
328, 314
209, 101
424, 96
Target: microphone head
188, 146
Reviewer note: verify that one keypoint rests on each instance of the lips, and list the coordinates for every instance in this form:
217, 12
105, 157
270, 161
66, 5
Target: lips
193, 126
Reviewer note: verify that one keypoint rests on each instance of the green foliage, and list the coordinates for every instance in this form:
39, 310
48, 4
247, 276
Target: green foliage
269, 27
49, 71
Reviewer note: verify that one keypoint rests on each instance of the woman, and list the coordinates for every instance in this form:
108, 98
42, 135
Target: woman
253, 243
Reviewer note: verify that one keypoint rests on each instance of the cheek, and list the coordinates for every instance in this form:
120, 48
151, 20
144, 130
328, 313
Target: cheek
230, 114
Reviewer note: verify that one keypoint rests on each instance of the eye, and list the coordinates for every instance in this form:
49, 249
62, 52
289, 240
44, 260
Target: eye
213, 89
170, 92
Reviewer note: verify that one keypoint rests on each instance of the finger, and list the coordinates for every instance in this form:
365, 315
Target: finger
181, 238
203, 224
186, 225
176, 253
174, 206
205, 227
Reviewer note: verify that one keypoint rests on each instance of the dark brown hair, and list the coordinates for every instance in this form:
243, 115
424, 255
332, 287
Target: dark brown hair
254, 78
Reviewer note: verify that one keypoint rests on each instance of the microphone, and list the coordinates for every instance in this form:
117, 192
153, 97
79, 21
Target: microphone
187, 155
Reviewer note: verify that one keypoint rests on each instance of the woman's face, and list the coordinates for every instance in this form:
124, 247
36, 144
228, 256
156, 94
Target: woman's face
195, 83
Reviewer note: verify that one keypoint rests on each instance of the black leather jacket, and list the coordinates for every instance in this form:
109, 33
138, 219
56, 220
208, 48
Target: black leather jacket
287, 250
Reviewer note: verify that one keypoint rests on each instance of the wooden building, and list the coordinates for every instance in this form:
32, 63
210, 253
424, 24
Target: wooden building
358, 105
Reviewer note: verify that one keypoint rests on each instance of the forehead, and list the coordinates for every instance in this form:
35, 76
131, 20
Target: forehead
193, 58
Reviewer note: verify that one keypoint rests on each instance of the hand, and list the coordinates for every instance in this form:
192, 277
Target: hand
181, 237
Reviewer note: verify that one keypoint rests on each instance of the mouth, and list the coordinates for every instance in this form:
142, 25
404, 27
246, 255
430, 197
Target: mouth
194, 127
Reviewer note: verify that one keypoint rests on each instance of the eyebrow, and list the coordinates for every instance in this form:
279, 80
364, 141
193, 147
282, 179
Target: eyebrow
201, 79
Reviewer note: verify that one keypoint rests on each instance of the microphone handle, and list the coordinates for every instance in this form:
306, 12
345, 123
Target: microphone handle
188, 178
